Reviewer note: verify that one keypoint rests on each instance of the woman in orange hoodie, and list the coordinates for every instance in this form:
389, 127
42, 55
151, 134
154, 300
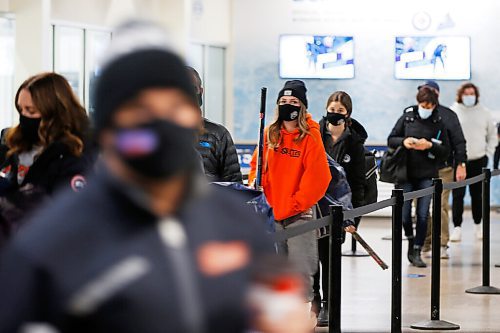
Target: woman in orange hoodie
295, 174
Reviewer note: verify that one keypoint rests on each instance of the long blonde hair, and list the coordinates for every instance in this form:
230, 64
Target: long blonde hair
274, 130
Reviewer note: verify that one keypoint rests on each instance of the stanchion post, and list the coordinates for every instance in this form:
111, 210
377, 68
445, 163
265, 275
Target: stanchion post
435, 323
397, 240
485, 288
335, 271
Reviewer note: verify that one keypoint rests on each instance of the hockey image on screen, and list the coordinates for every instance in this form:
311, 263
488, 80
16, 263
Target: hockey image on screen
308, 56
445, 58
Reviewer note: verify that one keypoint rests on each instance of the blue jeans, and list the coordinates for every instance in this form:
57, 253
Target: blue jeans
423, 205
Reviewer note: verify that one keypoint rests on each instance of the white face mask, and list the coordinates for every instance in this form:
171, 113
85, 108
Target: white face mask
424, 113
469, 100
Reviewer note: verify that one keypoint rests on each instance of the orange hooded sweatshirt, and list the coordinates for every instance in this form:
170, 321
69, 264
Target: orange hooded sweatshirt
295, 176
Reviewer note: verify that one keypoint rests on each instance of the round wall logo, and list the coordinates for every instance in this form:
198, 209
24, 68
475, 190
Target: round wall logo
78, 183
421, 21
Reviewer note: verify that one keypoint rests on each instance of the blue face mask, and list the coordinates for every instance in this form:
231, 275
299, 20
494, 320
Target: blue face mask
424, 113
469, 100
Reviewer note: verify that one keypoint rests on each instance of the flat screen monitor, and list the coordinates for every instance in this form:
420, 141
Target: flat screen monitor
442, 58
316, 57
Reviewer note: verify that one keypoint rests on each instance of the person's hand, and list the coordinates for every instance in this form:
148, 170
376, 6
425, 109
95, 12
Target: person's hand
409, 142
461, 173
422, 144
350, 229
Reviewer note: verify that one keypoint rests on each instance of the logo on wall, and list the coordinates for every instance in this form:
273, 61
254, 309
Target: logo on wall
197, 8
447, 22
421, 21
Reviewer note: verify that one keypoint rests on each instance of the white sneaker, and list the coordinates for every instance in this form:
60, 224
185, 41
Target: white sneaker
478, 231
444, 252
456, 236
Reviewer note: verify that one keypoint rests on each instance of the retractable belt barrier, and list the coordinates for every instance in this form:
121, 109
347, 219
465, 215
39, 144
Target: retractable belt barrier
396, 202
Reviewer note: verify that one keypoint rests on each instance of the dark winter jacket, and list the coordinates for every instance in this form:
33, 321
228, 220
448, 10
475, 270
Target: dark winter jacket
219, 154
98, 261
421, 164
456, 138
54, 169
349, 152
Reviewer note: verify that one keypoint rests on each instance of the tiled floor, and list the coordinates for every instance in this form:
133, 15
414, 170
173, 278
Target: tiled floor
366, 289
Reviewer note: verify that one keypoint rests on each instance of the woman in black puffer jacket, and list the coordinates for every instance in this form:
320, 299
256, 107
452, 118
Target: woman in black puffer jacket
343, 138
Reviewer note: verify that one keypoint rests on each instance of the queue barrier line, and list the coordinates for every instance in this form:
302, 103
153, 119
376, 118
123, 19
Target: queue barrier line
397, 201
302, 229
408, 196
463, 183
363, 210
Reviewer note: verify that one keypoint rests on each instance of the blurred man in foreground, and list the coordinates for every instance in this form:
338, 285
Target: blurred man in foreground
147, 246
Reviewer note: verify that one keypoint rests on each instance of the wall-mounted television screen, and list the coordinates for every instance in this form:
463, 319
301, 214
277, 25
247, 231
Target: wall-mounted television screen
443, 58
316, 57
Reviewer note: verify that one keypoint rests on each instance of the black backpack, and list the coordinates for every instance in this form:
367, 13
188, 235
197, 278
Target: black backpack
371, 191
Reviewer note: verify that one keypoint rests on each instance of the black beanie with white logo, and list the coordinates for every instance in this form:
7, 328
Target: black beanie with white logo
295, 88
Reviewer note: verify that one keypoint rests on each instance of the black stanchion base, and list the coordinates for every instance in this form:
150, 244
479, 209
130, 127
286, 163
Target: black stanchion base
435, 325
357, 253
389, 237
483, 290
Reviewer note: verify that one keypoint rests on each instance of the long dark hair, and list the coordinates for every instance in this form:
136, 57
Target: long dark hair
343, 98
63, 117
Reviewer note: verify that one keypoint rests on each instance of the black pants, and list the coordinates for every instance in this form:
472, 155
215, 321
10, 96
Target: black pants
496, 159
473, 168
323, 255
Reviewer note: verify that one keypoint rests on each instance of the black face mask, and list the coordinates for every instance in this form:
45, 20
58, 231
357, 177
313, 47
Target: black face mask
29, 128
288, 112
336, 119
158, 149
199, 97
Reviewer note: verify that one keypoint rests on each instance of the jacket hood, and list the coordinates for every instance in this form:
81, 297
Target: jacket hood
357, 129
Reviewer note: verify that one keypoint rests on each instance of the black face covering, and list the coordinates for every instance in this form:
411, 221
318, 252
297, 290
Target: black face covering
29, 128
158, 150
288, 112
336, 119
199, 97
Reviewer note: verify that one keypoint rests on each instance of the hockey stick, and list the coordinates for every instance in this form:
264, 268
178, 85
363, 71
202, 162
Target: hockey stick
258, 180
370, 251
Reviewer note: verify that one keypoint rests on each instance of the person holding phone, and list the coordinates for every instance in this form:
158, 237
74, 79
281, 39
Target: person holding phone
420, 130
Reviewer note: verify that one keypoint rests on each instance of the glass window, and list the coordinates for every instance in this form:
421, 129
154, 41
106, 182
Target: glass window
69, 56
215, 84
7, 64
96, 43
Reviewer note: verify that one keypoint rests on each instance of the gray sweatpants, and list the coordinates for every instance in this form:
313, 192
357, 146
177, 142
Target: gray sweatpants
302, 251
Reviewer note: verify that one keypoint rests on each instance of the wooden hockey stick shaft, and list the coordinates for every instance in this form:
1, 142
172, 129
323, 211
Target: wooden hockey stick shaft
370, 251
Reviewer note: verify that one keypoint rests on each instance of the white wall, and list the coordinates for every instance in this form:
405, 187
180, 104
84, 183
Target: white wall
210, 22
32, 38
377, 96
4, 5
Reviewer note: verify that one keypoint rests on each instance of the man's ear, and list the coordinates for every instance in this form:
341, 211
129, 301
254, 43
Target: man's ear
201, 90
